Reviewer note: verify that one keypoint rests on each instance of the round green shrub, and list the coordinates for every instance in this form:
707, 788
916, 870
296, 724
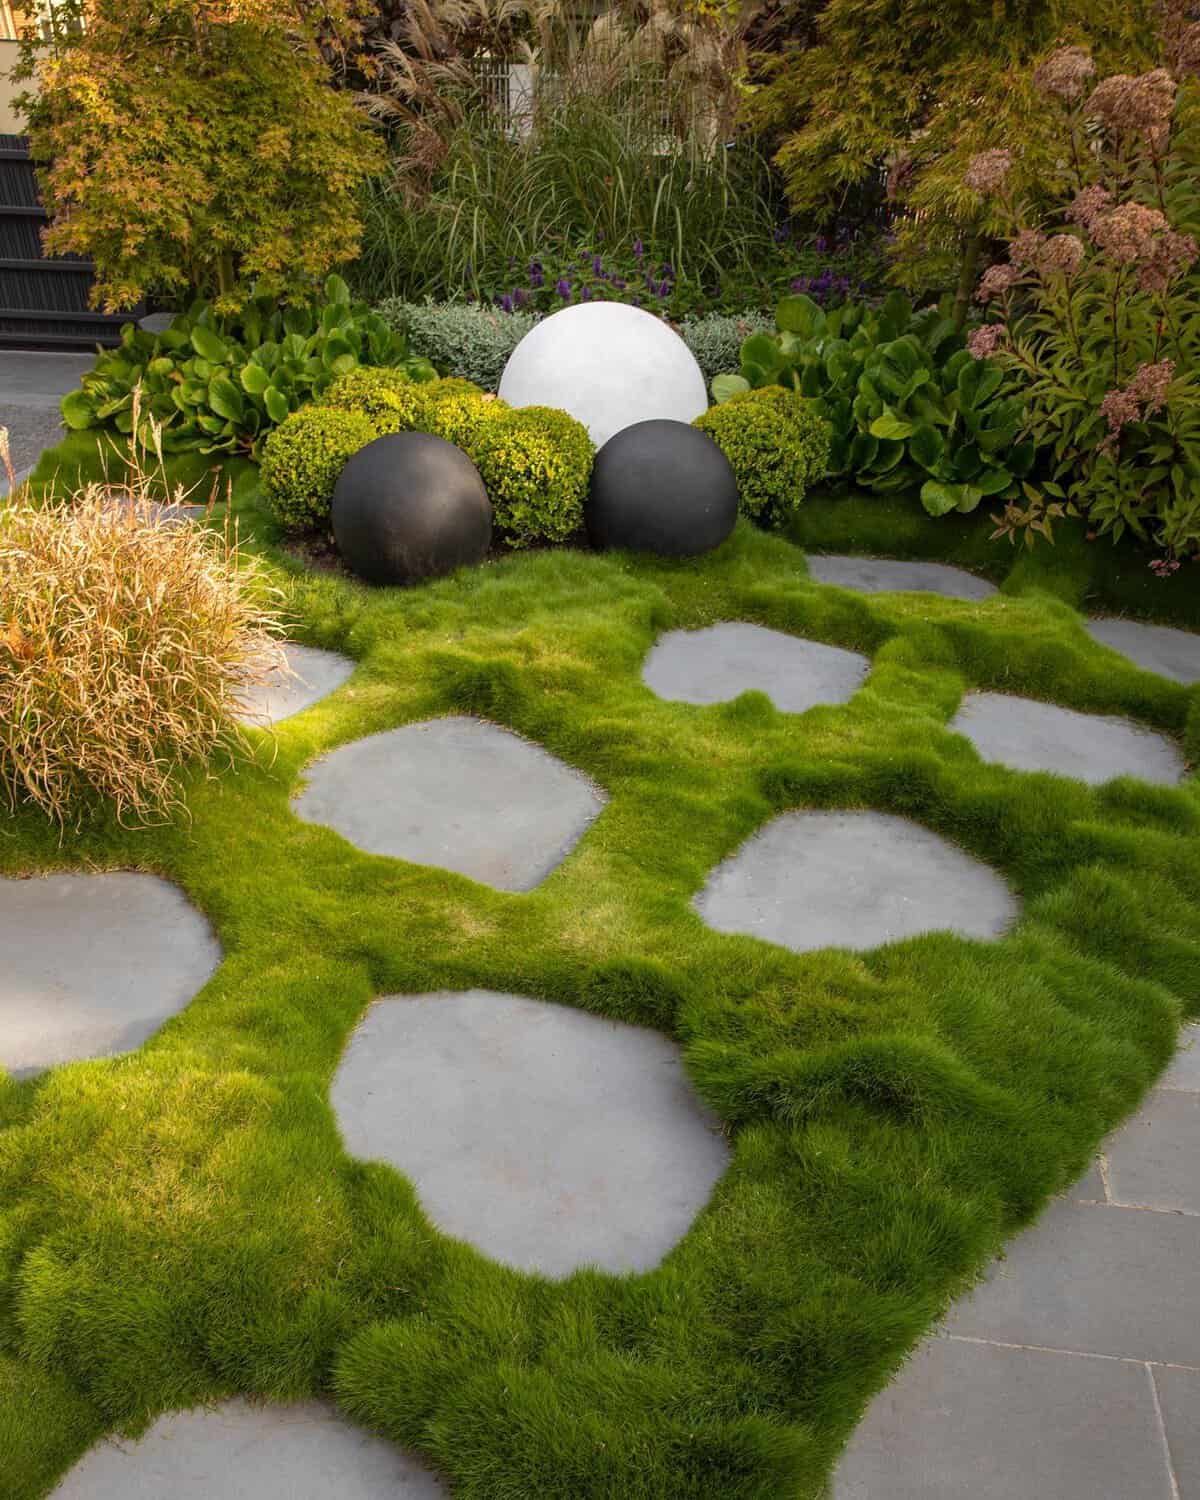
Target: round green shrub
303, 458
777, 444
392, 401
459, 418
536, 463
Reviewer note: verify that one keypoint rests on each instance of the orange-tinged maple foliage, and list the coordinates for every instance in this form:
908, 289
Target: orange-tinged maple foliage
196, 146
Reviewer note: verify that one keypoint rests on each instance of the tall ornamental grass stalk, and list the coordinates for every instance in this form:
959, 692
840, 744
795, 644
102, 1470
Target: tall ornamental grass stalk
128, 638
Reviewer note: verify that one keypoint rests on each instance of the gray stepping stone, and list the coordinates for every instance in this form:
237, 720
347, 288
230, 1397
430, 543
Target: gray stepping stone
1097, 1280
852, 880
980, 1421
1179, 1401
892, 575
1159, 648
237, 1451
94, 964
1184, 1071
456, 792
156, 510
309, 675
1030, 736
547, 1137
1154, 1160
724, 661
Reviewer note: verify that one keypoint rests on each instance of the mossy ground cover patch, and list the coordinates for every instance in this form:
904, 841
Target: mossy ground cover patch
183, 1224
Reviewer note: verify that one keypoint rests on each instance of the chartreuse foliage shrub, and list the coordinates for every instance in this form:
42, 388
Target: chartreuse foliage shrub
536, 464
183, 1223
777, 443
909, 407
304, 457
219, 385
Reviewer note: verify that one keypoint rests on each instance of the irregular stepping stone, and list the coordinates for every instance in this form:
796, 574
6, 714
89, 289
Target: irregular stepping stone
236, 1451
1159, 648
852, 880
94, 964
1032, 736
723, 661
310, 674
547, 1137
156, 510
456, 792
892, 575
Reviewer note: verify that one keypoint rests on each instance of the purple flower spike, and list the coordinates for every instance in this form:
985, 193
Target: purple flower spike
639, 249
563, 287
586, 294
597, 266
619, 283
506, 303
820, 244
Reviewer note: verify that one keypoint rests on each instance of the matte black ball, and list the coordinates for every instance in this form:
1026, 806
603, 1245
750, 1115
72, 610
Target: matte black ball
662, 487
410, 506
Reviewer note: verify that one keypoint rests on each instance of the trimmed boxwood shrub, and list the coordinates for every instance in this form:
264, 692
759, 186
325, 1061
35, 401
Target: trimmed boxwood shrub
536, 464
304, 456
459, 418
392, 401
777, 443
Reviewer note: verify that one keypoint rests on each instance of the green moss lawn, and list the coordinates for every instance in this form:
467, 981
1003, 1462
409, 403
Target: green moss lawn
182, 1223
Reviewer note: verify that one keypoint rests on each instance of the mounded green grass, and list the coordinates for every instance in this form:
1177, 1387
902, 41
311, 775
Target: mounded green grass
182, 1223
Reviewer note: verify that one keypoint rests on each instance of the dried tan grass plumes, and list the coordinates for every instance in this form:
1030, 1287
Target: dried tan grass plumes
127, 639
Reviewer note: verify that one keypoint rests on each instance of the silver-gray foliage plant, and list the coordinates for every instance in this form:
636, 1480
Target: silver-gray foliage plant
474, 342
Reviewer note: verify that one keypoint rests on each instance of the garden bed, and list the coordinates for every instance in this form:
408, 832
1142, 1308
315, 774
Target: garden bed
182, 1223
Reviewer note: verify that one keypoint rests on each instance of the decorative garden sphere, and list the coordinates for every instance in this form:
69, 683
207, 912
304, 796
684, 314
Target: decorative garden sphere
410, 506
607, 364
662, 487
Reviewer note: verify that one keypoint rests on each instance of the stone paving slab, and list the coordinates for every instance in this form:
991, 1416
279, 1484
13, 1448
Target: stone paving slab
722, 662
1154, 1161
310, 674
547, 1137
966, 1421
1158, 648
1184, 1071
1179, 1401
31, 377
893, 575
1097, 1280
1091, 1187
852, 880
1027, 735
94, 964
237, 1451
456, 792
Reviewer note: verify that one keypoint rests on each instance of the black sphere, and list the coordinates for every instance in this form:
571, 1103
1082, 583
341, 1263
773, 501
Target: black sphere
410, 506
662, 487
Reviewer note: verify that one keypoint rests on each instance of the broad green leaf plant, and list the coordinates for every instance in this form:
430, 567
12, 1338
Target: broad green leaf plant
909, 406
221, 385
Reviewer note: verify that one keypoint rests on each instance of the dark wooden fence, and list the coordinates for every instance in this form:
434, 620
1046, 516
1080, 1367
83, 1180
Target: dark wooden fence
43, 300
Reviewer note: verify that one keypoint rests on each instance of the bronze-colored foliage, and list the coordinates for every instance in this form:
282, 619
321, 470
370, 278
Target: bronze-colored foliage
198, 147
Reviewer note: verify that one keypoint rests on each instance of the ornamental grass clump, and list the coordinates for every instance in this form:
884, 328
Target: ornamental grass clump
127, 642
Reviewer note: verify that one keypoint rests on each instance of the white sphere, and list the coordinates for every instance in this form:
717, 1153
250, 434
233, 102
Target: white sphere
609, 365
